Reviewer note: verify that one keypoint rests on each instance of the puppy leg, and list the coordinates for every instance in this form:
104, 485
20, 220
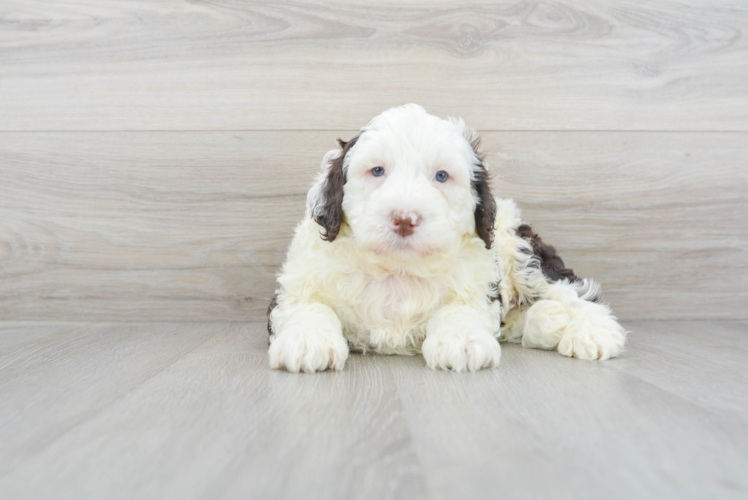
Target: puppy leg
308, 338
576, 327
461, 338
511, 330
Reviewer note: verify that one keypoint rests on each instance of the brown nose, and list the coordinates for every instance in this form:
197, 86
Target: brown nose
404, 224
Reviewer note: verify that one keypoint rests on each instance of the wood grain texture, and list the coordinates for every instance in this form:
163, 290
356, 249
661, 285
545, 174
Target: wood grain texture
204, 417
693, 362
543, 426
194, 225
507, 65
52, 383
215, 423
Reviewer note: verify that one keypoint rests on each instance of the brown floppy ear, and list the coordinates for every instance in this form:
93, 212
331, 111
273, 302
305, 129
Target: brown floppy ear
485, 210
326, 197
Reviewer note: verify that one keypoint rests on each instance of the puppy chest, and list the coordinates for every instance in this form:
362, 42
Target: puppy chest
400, 302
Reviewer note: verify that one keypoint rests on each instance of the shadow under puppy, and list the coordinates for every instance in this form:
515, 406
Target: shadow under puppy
404, 249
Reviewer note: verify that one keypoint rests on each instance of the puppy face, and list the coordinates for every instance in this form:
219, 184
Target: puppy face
408, 184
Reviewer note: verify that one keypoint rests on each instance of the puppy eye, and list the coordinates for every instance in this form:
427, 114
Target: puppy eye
442, 176
377, 171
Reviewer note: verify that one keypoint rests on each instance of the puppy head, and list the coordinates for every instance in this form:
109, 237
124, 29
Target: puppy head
408, 183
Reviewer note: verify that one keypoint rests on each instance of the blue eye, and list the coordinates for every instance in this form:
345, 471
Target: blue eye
442, 176
377, 171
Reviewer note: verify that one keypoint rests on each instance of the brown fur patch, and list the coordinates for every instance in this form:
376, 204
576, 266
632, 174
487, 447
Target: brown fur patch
330, 216
485, 210
497, 296
271, 306
550, 262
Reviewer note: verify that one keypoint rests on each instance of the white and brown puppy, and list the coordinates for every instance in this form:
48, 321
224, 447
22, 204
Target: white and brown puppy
404, 249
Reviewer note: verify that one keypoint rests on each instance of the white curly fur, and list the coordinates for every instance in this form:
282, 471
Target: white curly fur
434, 291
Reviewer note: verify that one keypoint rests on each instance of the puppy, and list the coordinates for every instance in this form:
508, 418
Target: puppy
404, 249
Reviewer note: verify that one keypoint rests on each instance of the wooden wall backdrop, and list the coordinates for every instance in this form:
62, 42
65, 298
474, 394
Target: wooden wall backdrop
154, 156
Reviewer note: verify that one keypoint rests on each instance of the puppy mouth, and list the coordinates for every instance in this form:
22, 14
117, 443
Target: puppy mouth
395, 243
404, 238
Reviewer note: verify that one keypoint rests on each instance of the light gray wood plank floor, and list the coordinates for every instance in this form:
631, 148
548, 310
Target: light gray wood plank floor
191, 410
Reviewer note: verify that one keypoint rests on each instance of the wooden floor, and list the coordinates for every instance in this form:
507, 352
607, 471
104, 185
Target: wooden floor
191, 410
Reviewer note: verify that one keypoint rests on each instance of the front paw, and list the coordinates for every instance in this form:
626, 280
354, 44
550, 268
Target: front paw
592, 338
301, 349
460, 351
